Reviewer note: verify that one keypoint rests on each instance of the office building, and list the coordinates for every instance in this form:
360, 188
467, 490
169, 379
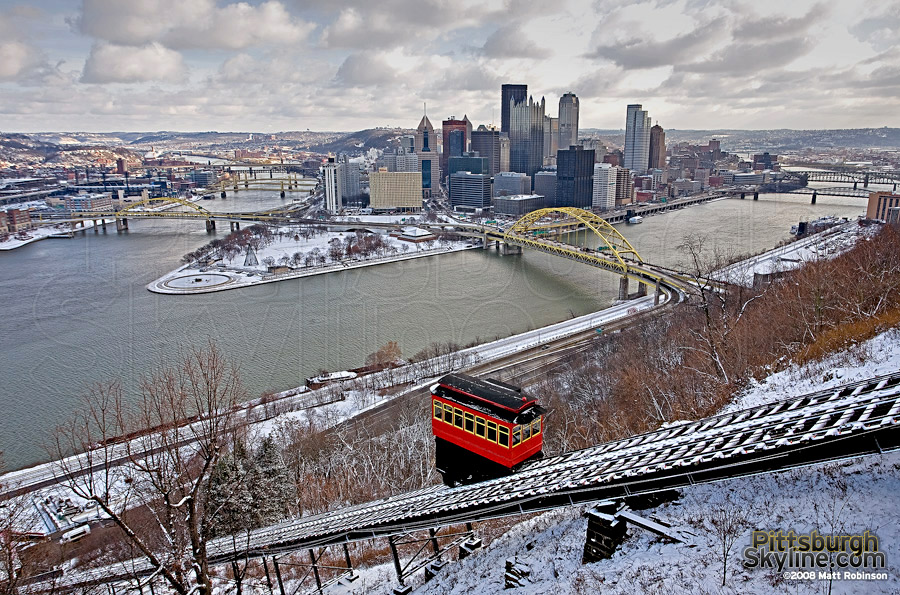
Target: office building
518, 205
398, 160
204, 177
568, 120
526, 136
89, 202
637, 139
408, 143
456, 145
459, 143
551, 140
470, 191
510, 183
624, 186
504, 151
470, 162
880, 204
604, 190
333, 185
598, 147
350, 178
657, 159
516, 93
486, 142
545, 185
426, 149
18, 220
574, 177
395, 191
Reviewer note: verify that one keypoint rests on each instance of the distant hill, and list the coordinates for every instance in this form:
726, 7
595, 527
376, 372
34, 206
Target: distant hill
363, 140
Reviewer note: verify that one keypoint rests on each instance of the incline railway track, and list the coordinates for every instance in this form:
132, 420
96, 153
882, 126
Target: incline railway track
847, 421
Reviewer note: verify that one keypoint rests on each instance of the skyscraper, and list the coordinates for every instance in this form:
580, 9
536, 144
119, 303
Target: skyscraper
574, 177
624, 186
568, 120
456, 145
449, 125
333, 185
604, 192
426, 149
637, 139
504, 151
657, 148
469, 162
551, 139
518, 93
486, 142
349, 177
526, 136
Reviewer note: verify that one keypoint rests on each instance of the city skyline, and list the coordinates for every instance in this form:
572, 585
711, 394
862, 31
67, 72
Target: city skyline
281, 65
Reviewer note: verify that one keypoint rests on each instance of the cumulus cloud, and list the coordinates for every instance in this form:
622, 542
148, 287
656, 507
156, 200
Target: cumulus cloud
365, 70
509, 42
109, 63
18, 59
181, 24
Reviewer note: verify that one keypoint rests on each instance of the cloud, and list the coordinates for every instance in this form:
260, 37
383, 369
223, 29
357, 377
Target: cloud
509, 42
646, 52
108, 63
879, 30
184, 24
18, 59
743, 59
365, 70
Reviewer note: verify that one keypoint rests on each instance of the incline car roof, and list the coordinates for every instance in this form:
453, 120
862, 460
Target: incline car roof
497, 394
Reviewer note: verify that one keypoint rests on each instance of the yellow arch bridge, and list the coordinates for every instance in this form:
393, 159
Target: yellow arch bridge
541, 230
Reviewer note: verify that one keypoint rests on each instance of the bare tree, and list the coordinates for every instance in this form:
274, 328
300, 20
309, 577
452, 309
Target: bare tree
157, 453
729, 521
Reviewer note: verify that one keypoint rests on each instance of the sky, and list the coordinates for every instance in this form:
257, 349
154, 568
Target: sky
278, 65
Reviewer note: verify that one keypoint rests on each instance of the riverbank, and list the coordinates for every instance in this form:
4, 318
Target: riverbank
192, 279
59, 230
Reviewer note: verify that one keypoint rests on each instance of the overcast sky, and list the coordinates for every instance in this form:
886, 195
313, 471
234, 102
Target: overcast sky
104, 65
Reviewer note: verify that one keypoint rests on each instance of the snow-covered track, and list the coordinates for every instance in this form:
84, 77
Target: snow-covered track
851, 420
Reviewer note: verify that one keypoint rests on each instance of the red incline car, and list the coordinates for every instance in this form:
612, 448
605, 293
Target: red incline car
483, 428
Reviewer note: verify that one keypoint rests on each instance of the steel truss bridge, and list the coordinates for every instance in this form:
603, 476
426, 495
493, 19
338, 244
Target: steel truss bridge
847, 176
851, 420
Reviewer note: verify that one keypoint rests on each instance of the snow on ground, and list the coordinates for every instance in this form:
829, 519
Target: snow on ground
59, 230
844, 497
825, 244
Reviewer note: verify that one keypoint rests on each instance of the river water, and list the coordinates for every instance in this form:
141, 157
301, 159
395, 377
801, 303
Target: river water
76, 311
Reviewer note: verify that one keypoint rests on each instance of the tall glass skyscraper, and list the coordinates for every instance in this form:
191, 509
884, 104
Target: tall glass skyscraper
518, 93
526, 136
486, 142
637, 139
568, 120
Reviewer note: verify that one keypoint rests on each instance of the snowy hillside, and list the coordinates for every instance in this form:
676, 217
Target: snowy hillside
841, 498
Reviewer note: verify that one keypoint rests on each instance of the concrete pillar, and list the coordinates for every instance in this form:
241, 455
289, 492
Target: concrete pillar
742, 196
210, 226
604, 534
756, 195
120, 227
103, 224
813, 198
95, 227
657, 295
866, 181
642, 289
282, 194
623, 288
224, 194
854, 185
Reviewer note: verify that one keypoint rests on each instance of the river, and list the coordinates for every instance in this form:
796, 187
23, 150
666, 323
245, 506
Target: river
76, 311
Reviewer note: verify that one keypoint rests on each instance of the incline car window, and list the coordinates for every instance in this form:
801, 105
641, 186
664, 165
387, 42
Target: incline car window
457, 417
470, 423
504, 437
492, 431
437, 410
479, 426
